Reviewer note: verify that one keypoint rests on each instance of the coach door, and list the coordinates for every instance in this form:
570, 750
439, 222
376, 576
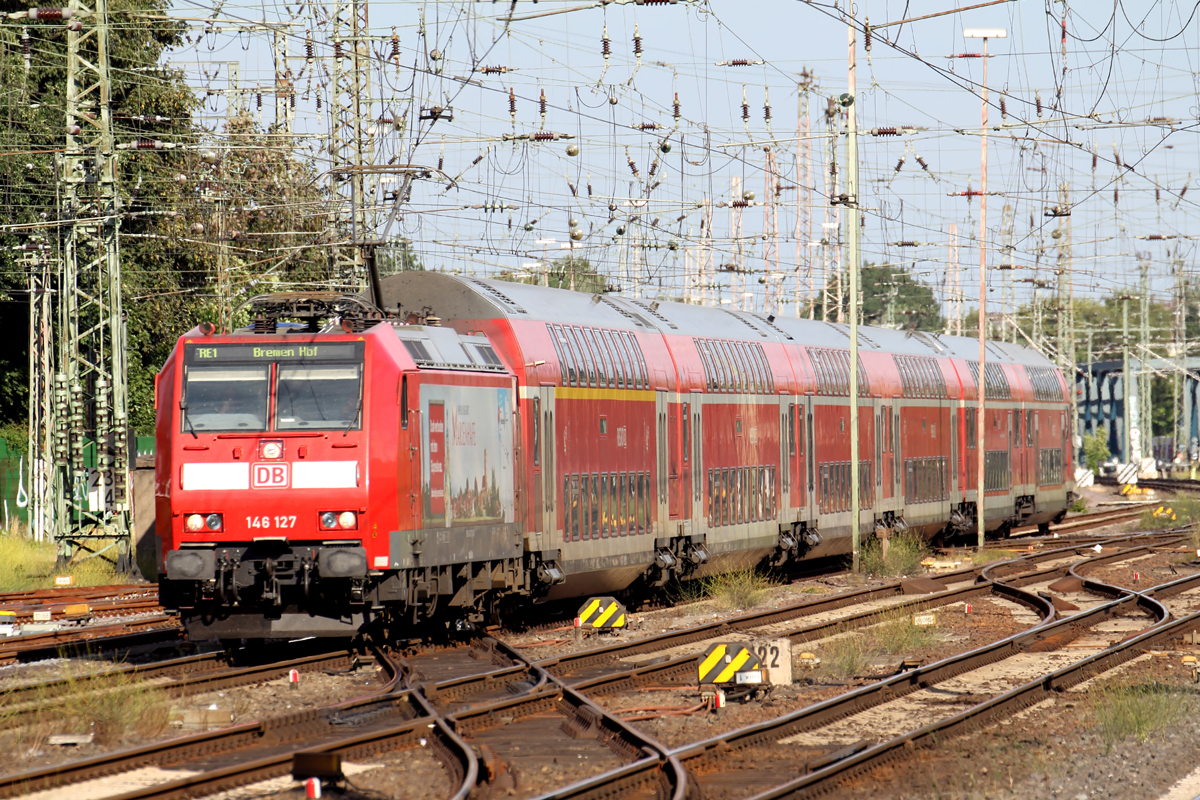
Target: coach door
808, 437
544, 431
660, 416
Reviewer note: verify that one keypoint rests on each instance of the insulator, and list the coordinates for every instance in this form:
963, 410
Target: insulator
542, 136
676, 107
867, 37
494, 70
605, 44
1064, 31
571, 186
637, 41
542, 104
318, 102
308, 46
589, 185
291, 99
1157, 198
26, 47
1182, 192
1095, 161
648, 126
921, 161
512, 104
885, 132
900, 163
906, 243
395, 54
50, 14
632, 166
478, 158
1155, 236
441, 162
740, 203
738, 62
1116, 196
1117, 156
258, 101
1038, 99
147, 144
1003, 109
766, 107
653, 167
745, 107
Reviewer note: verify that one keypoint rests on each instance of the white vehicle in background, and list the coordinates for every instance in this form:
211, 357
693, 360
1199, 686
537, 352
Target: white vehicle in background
8, 624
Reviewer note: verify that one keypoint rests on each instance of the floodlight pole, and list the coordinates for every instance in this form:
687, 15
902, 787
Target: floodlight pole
852, 256
981, 381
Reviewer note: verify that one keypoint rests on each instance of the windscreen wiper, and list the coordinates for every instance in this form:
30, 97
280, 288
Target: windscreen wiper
357, 414
186, 419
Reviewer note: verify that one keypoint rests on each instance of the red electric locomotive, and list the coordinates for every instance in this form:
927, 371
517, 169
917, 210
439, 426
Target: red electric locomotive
507, 441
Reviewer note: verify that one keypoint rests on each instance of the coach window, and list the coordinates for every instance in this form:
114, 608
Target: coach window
749, 368
612, 365
618, 356
572, 363
587, 370
730, 380
635, 352
576, 509
740, 368
595, 506
584, 507
603, 368
604, 511
404, 402
764, 368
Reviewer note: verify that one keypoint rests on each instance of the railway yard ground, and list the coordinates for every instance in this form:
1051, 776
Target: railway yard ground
1060, 666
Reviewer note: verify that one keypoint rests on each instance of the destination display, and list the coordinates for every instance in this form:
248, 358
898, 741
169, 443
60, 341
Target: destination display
274, 351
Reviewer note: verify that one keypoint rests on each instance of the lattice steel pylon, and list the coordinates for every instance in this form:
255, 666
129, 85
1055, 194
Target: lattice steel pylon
90, 407
35, 258
351, 145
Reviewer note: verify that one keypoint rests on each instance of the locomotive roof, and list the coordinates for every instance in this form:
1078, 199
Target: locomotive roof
463, 297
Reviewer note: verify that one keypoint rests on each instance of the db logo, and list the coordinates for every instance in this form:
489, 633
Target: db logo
269, 476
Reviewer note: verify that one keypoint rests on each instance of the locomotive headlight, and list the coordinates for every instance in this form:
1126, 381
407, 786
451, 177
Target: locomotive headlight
194, 523
329, 520
272, 449
214, 522
347, 520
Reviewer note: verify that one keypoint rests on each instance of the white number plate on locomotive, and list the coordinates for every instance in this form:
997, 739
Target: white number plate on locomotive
269, 523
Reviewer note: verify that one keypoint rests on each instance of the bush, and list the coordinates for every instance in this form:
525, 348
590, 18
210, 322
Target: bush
16, 436
1121, 710
743, 588
1095, 449
905, 552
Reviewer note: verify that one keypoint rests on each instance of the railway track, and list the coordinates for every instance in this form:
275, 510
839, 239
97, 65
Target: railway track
117, 637
496, 698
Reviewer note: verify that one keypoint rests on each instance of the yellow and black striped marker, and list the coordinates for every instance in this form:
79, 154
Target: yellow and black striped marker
723, 663
602, 613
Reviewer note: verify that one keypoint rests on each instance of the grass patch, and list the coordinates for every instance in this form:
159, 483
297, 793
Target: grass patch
905, 552
1079, 506
845, 656
1170, 514
897, 634
1140, 710
690, 591
743, 588
988, 555
30, 565
110, 705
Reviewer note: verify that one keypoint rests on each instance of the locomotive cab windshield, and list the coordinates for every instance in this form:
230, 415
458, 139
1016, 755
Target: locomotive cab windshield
239, 388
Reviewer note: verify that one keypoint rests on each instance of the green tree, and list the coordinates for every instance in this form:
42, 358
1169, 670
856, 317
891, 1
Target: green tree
891, 297
1095, 448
